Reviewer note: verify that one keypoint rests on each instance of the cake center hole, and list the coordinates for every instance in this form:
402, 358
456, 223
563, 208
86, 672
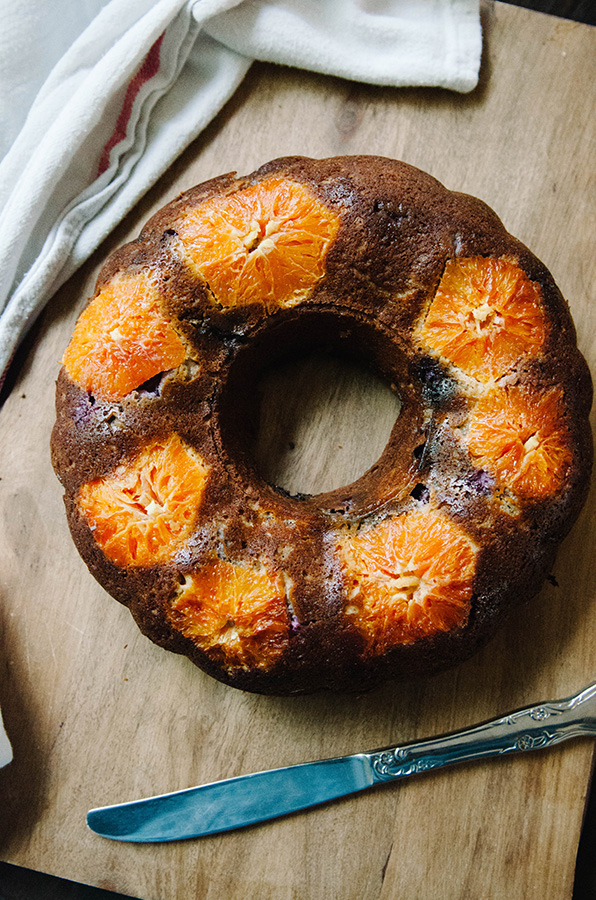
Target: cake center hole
324, 421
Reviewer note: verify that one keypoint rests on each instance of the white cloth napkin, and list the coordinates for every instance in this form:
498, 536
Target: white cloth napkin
5, 748
98, 97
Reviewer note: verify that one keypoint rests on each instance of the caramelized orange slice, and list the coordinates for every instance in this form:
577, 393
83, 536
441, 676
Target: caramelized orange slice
145, 509
265, 243
236, 614
408, 577
485, 316
519, 435
122, 339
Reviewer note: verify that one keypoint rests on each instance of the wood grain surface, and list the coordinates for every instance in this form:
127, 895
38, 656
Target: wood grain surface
97, 714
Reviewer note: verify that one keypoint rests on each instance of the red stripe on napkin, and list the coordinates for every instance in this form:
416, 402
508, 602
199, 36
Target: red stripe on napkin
149, 68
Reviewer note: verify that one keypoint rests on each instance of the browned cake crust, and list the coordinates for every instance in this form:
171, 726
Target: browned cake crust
398, 228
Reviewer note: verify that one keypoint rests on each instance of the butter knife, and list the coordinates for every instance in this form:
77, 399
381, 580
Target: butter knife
248, 799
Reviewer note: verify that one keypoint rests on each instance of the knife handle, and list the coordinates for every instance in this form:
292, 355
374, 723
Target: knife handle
526, 729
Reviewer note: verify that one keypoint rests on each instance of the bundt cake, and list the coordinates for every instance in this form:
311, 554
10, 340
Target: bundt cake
413, 566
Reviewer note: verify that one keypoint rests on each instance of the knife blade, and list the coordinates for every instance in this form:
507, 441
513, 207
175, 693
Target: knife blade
233, 803
247, 799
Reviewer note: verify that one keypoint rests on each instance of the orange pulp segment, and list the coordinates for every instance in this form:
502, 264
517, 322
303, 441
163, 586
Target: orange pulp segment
485, 316
518, 434
266, 243
122, 339
146, 508
409, 577
234, 613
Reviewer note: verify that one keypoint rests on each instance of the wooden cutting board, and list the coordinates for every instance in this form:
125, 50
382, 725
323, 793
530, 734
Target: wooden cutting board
97, 714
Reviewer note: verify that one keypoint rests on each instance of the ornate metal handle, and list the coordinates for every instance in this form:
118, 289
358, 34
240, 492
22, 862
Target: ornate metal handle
527, 729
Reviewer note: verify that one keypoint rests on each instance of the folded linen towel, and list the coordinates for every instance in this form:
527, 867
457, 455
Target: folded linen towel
389, 42
92, 115
5, 748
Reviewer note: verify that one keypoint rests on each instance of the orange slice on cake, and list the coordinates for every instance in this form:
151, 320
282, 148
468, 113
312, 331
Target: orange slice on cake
265, 243
519, 435
144, 510
409, 577
486, 315
122, 339
237, 614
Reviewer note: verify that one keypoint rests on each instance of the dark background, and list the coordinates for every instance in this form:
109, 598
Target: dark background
579, 10
22, 884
